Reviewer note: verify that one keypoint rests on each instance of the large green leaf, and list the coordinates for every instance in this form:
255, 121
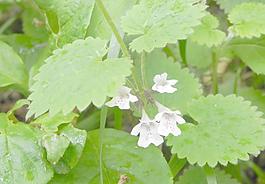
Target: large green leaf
228, 129
197, 175
188, 87
228, 5
22, 159
207, 33
12, 69
248, 20
68, 19
121, 157
159, 22
250, 51
75, 76
99, 27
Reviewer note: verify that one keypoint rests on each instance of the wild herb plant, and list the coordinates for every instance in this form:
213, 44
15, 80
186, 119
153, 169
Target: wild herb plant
190, 72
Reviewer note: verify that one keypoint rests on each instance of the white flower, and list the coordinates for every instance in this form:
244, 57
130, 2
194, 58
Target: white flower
168, 121
123, 99
162, 85
148, 130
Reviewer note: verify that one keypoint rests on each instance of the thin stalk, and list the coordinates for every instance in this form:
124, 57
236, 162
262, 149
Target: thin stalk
170, 53
103, 118
7, 23
176, 164
118, 119
260, 173
210, 175
214, 73
182, 49
113, 27
143, 69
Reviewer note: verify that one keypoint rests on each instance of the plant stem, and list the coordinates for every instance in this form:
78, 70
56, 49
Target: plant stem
210, 174
182, 49
113, 27
8, 23
214, 73
143, 69
260, 173
118, 118
103, 117
176, 164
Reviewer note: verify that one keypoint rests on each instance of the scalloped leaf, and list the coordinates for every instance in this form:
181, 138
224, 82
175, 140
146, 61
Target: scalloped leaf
250, 51
188, 86
248, 20
197, 175
76, 76
228, 5
68, 20
228, 129
22, 159
159, 22
121, 158
207, 32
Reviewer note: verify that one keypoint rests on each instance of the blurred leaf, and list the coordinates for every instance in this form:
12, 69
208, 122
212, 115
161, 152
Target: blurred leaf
228, 5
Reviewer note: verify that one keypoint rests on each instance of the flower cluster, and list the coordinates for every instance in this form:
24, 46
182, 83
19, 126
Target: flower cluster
151, 131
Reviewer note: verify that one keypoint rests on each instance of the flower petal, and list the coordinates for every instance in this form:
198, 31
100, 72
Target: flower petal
133, 98
136, 129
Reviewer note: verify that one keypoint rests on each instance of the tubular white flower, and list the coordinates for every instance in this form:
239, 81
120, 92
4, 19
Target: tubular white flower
123, 99
148, 130
162, 85
168, 121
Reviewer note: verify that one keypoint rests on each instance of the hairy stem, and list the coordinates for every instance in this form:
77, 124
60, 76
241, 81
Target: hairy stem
182, 49
118, 119
113, 27
103, 118
214, 73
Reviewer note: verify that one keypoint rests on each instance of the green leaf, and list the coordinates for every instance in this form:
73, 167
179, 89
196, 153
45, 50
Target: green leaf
198, 176
67, 19
207, 32
99, 27
228, 129
121, 158
159, 22
51, 124
228, 5
75, 76
12, 69
248, 20
22, 160
188, 86
197, 55
73, 153
55, 146
250, 51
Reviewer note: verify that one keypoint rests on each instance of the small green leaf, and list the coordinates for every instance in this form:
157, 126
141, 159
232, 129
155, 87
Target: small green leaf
51, 124
248, 20
228, 129
121, 158
12, 69
159, 22
197, 175
55, 146
67, 19
73, 153
75, 76
22, 160
207, 32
